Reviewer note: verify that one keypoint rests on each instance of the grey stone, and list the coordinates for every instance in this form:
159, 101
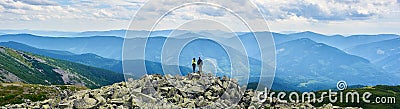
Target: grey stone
165, 88
117, 101
195, 89
155, 91
85, 103
46, 106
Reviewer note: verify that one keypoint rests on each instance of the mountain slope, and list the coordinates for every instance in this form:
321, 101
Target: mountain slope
16, 93
86, 59
16, 66
377, 50
340, 41
318, 66
297, 62
111, 47
390, 64
303, 64
104, 46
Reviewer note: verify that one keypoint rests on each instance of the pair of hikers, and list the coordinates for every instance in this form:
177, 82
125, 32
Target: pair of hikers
199, 64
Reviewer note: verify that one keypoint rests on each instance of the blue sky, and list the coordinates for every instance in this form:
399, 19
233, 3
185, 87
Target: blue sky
323, 16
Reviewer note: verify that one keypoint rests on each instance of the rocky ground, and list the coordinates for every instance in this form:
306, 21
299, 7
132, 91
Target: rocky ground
156, 91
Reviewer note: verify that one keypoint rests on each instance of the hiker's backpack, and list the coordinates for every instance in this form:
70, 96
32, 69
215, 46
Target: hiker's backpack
199, 61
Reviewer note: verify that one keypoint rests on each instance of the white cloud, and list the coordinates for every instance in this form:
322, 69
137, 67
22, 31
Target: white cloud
103, 13
282, 15
38, 2
18, 5
328, 10
24, 18
16, 11
2, 8
210, 11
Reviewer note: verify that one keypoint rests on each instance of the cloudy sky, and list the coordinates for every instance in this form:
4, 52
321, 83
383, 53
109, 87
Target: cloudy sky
323, 16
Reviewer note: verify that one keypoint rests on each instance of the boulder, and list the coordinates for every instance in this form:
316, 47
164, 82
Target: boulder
155, 91
85, 103
118, 101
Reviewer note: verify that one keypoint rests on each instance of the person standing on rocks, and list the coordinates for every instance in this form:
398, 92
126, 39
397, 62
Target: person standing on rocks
200, 64
194, 64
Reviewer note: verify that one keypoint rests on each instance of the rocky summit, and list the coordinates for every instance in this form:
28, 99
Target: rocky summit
196, 90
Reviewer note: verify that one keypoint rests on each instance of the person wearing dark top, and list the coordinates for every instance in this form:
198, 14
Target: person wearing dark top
200, 64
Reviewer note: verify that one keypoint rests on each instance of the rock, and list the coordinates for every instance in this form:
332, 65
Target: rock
146, 98
63, 105
148, 90
177, 98
136, 90
308, 105
187, 81
191, 105
117, 101
328, 106
46, 106
201, 102
195, 76
46, 101
168, 76
234, 81
171, 92
208, 95
225, 85
251, 107
100, 100
219, 82
225, 78
217, 90
85, 103
165, 88
195, 89
36, 107
225, 96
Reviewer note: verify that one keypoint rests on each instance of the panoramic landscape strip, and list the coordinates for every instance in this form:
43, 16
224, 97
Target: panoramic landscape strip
242, 54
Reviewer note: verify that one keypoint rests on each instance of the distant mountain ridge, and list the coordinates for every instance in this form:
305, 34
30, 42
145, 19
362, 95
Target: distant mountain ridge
315, 65
89, 59
339, 41
299, 55
105, 46
377, 50
111, 46
390, 64
17, 66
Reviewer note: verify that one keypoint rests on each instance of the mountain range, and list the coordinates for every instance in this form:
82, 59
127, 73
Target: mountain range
104, 46
305, 60
339, 41
89, 59
377, 51
315, 65
385, 54
18, 66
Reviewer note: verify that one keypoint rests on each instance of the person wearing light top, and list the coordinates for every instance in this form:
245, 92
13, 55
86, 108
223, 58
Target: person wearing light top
194, 64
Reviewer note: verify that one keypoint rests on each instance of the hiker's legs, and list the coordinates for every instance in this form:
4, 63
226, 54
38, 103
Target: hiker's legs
200, 67
194, 67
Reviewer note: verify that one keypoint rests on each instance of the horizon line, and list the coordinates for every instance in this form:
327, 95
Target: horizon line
30, 31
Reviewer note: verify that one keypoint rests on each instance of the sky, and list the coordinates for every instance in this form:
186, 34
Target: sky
323, 16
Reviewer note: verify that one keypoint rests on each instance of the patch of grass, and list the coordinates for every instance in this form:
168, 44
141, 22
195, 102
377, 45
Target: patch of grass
15, 93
